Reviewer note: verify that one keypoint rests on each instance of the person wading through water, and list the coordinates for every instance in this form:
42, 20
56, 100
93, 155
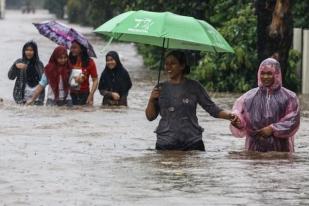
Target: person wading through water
175, 101
27, 71
115, 82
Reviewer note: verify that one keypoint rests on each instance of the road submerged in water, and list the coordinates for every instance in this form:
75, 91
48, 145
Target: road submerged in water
94, 156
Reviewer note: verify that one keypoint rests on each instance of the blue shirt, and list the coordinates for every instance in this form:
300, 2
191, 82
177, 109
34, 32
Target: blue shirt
43, 82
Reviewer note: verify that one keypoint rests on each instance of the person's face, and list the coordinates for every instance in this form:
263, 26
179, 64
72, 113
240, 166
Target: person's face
267, 78
110, 62
29, 52
62, 60
173, 68
75, 49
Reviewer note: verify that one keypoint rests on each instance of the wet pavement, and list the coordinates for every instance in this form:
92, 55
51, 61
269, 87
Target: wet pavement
95, 156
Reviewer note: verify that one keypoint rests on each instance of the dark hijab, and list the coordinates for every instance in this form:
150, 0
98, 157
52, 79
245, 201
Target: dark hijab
117, 79
33, 76
30, 76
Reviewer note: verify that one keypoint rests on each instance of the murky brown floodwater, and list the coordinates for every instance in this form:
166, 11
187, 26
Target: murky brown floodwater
94, 156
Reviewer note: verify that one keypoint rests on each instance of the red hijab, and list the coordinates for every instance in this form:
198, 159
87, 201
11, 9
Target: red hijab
53, 71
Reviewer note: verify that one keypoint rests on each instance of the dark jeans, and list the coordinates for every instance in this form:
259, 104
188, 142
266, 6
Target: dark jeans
79, 98
199, 145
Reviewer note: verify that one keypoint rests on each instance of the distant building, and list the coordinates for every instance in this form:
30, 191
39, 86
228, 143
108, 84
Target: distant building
2, 8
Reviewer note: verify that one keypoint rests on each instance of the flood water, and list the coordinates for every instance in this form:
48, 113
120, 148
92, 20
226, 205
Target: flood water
94, 156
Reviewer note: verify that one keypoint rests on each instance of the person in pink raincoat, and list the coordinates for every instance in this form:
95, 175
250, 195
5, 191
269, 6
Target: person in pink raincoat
269, 115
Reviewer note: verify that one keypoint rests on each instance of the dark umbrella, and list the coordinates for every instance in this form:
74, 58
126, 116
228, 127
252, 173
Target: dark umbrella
63, 35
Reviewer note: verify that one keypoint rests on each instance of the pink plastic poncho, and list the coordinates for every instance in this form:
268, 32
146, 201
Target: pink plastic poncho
263, 106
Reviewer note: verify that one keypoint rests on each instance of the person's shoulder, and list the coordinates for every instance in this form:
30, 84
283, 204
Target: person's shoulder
125, 73
194, 84
48, 66
250, 94
191, 81
123, 69
289, 92
91, 60
92, 66
40, 63
252, 91
19, 60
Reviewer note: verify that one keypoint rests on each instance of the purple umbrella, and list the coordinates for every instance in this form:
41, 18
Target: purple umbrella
63, 35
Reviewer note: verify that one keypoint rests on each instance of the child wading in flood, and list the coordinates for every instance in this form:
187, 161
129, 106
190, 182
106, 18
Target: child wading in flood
269, 115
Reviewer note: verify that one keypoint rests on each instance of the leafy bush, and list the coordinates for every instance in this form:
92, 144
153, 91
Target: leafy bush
56, 7
232, 72
235, 20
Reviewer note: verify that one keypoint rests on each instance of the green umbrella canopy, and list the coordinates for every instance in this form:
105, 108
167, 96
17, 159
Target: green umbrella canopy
165, 29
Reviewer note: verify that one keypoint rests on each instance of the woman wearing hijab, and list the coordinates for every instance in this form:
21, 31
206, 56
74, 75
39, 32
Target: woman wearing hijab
269, 115
27, 71
115, 81
56, 75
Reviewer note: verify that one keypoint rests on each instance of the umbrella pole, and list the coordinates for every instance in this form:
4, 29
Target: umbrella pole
161, 62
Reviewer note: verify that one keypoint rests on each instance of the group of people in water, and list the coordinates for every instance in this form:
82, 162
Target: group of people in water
268, 116
68, 78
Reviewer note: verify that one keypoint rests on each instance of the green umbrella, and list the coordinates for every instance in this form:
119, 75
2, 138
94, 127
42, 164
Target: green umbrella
166, 30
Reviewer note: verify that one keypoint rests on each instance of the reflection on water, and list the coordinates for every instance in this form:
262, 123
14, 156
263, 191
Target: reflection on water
105, 156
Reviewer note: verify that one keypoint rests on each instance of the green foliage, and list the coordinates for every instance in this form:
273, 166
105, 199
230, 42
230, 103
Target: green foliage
17, 4
235, 20
301, 15
151, 55
100, 11
232, 72
56, 7
292, 80
14, 4
78, 11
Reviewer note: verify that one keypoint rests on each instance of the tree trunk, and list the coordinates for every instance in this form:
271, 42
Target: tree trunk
274, 30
